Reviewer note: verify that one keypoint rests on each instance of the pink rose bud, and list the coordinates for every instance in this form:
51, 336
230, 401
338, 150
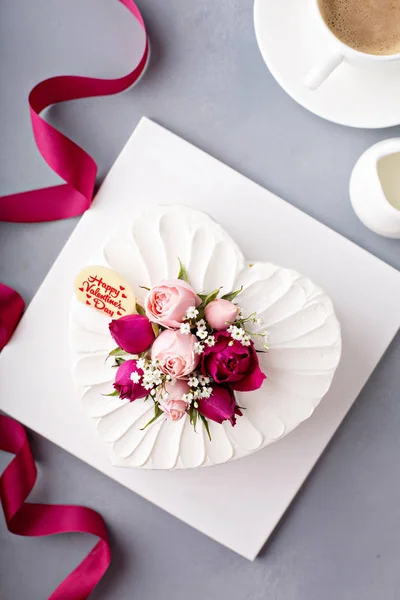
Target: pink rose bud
167, 302
132, 333
172, 403
228, 361
124, 384
175, 353
220, 314
220, 406
174, 409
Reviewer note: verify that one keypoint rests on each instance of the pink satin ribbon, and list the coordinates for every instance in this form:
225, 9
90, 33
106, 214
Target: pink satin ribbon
11, 309
70, 199
24, 518
66, 158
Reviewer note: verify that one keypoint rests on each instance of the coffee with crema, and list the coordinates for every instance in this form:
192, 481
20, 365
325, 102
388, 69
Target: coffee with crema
371, 26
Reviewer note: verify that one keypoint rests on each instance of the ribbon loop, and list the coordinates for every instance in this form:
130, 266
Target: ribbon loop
66, 158
27, 519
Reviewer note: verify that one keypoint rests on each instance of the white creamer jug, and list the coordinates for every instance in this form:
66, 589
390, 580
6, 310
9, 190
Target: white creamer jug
375, 188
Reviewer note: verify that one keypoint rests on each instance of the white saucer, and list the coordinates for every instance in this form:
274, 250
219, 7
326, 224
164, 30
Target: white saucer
351, 96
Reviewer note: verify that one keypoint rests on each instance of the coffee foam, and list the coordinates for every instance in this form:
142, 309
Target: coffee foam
371, 26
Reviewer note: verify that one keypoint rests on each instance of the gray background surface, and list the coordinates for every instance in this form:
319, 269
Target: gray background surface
208, 83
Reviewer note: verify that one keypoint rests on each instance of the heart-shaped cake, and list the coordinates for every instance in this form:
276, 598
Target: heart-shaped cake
297, 318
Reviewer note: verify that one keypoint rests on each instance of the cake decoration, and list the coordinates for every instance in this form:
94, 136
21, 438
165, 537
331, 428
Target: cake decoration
187, 352
114, 354
105, 290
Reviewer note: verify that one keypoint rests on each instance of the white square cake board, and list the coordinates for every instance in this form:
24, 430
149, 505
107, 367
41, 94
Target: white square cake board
157, 167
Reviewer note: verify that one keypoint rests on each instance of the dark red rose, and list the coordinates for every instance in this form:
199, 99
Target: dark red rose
126, 387
220, 406
132, 333
228, 361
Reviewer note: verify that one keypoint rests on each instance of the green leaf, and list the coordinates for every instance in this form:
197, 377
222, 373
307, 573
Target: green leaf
195, 413
156, 329
143, 287
183, 274
205, 423
114, 393
232, 295
119, 361
157, 413
140, 310
193, 416
118, 352
207, 298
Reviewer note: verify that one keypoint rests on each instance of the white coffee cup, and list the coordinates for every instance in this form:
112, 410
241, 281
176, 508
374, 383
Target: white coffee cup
336, 52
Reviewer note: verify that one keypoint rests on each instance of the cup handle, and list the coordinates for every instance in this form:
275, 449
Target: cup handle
322, 70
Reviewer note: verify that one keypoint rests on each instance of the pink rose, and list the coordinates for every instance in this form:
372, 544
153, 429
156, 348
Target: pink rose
167, 302
175, 352
125, 386
173, 406
220, 406
132, 333
221, 313
228, 361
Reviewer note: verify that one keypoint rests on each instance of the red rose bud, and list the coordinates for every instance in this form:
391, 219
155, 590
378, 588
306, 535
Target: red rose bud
126, 387
220, 406
228, 361
132, 333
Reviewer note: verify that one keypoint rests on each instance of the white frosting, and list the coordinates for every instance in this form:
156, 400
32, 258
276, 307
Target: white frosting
304, 341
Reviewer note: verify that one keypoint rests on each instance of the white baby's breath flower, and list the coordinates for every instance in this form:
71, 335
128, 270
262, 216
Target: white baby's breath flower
193, 382
201, 324
153, 392
206, 392
191, 313
202, 334
203, 379
141, 363
199, 348
135, 377
165, 395
210, 341
185, 328
196, 393
155, 362
246, 341
196, 404
237, 333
